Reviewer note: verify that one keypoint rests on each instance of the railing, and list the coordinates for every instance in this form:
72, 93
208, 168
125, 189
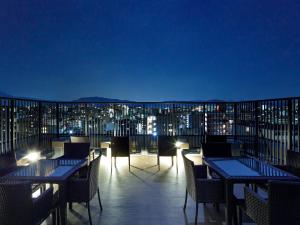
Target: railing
266, 128
142, 122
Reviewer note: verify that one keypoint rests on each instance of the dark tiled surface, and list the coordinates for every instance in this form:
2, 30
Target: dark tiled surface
144, 196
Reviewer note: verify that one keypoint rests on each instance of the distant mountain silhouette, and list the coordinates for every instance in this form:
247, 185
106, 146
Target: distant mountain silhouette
2, 94
215, 100
102, 99
99, 99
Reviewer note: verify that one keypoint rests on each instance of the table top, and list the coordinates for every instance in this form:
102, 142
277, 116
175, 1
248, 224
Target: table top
49, 170
246, 168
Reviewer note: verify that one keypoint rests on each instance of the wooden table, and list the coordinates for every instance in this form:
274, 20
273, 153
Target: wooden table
244, 170
53, 171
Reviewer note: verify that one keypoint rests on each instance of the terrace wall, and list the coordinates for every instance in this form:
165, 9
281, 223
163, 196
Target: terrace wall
265, 128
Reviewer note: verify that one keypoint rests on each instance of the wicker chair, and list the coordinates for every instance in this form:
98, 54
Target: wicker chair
292, 163
17, 207
216, 139
120, 148
216, 149
281, 207
84, 139
8, 163
83, 189
80, 139
166, 147
199, 187
76, 150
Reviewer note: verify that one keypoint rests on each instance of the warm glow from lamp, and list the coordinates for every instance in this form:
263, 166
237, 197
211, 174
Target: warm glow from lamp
178, 144
33, 156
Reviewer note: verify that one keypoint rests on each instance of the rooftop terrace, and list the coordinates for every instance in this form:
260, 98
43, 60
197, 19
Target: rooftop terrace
264, 129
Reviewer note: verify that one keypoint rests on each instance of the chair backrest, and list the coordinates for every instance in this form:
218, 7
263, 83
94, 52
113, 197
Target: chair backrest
166, 145
216, 150
293, 159
7, 162
80, 139
190, 176
216, 138
93, 176
76, 150
284, 202
15, 203
120, 147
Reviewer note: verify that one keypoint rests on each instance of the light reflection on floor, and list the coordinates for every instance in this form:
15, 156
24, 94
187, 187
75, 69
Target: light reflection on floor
143, 196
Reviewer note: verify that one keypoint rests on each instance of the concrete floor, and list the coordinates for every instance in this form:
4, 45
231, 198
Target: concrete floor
143, 196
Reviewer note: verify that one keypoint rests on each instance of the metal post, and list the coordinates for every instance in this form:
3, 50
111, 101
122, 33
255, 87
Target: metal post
11, 129
7, 105
204, 122
235, 119
256, 130
85, 120
40, 123
114, 127
144, 130
173, 120
57, 120
290, 125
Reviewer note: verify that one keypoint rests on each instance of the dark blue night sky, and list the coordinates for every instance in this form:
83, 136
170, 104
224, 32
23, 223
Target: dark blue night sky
150, 49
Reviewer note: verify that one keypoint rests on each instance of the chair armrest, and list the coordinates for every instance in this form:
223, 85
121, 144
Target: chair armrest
60, 157
210, 190
213, 174
200, 171
82, 173
92, 153
256, 206
78, 180
36, 187
42, 205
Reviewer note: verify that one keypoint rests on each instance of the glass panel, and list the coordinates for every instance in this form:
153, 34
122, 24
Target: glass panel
60, 171
248, 167
45, 168
235, 168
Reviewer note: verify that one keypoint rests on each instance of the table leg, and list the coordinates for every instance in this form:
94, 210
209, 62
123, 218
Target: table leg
63, 203
229, 202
